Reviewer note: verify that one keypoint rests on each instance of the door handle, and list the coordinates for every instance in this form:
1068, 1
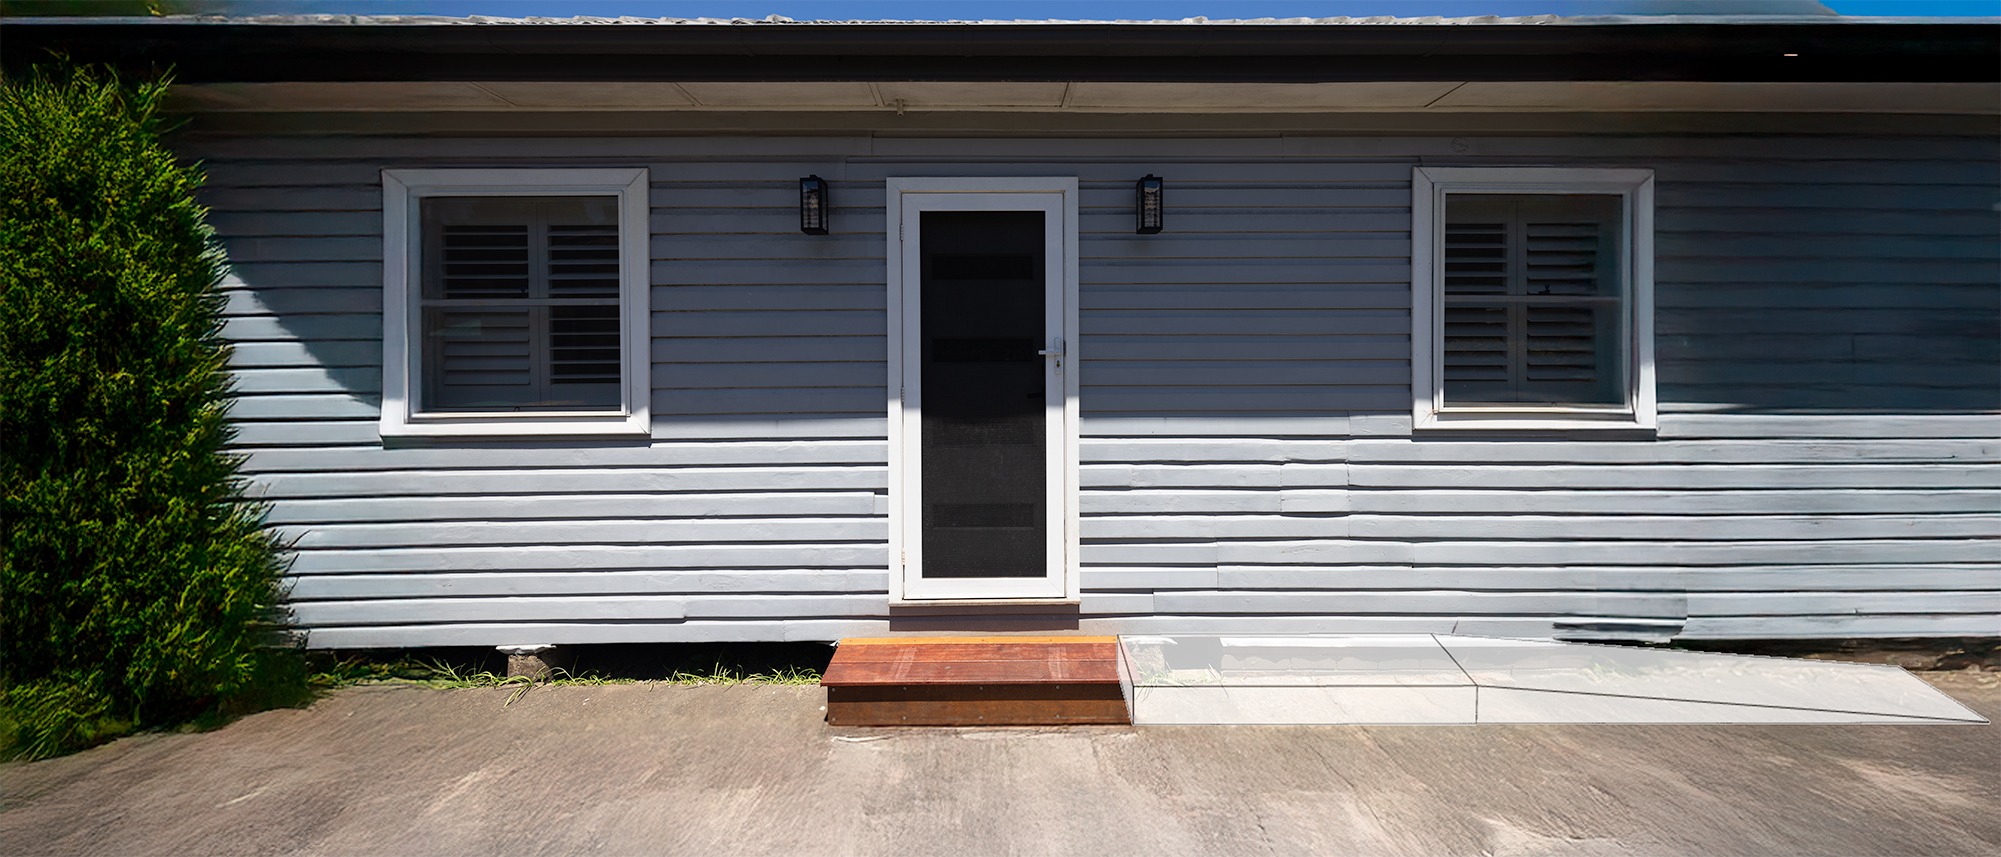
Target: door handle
1055, 350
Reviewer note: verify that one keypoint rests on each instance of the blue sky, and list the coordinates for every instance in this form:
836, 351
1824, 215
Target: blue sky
1102, 9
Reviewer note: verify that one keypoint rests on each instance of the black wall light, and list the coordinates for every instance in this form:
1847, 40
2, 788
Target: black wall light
1149, 205
814, 205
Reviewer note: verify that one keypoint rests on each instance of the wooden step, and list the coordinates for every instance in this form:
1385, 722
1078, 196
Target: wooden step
975, 681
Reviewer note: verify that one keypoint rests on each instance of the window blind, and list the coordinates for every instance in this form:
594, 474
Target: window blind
1532, 300
520, 304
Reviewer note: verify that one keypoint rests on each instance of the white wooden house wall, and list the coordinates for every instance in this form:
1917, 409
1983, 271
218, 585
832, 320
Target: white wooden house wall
1828, 462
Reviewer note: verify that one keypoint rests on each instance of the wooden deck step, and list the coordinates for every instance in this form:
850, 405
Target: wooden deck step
975, 681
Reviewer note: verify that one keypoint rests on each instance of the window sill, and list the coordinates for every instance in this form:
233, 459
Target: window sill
619, 425
1579, 422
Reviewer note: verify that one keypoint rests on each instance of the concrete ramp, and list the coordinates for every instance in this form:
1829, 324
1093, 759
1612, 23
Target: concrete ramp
1443, 678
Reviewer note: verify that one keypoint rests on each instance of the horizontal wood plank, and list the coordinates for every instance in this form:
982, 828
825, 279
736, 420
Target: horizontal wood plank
855, 706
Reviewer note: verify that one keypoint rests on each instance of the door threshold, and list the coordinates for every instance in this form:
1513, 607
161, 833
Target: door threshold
987, 605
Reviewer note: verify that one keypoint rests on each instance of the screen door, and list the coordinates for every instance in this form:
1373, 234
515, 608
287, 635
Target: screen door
983, 424
985, 509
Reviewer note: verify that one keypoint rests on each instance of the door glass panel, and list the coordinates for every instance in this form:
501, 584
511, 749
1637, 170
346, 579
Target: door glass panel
982, 453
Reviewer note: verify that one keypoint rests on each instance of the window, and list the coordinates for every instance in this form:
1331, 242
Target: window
515, 302
1532, 298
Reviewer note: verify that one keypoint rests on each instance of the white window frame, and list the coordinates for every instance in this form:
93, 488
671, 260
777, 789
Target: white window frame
402, 192
1429, 188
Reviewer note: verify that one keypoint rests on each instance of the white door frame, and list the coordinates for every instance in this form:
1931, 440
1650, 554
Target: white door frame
1057, 199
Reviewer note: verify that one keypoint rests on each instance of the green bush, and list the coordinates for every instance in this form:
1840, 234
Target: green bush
137, 587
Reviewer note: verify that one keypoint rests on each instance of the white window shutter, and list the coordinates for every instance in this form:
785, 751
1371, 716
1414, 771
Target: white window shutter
584, 359
583, 260
1531, 300
522, 307
483, 261
481, 358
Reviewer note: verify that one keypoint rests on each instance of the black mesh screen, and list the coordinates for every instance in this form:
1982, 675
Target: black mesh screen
983, 458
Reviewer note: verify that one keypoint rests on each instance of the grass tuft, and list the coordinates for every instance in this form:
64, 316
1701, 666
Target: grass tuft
745, 664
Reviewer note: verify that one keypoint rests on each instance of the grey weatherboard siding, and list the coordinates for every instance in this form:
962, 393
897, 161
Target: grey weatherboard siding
1828, 462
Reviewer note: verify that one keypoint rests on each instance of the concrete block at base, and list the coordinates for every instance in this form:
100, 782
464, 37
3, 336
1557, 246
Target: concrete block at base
535, 661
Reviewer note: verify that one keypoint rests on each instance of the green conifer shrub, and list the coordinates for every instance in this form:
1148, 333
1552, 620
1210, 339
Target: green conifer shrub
137, 587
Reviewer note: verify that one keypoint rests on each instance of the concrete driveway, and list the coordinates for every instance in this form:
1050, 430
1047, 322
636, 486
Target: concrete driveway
661, 769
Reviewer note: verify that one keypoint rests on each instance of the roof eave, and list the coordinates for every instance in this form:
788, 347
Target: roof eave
1752, 51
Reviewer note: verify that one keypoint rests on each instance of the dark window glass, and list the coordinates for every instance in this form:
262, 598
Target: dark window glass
519, 304
1534, 297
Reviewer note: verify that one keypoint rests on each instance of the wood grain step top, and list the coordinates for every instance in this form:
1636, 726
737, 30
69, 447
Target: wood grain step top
943, 661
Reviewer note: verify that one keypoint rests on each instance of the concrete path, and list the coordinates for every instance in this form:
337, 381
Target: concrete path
657, 769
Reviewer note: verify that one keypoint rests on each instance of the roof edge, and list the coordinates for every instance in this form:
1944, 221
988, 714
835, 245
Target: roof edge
318, 49
334, 20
